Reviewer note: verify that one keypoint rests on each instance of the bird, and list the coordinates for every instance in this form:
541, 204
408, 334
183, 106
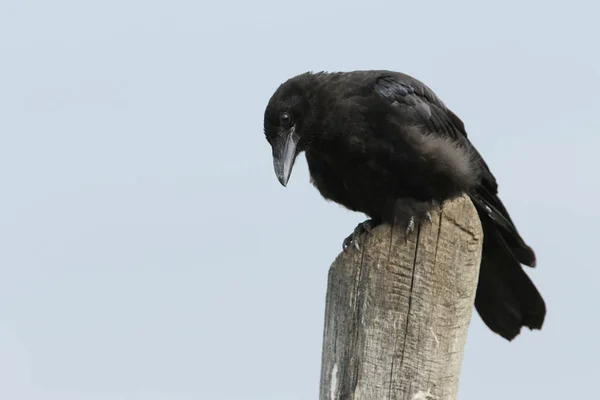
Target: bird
384, 144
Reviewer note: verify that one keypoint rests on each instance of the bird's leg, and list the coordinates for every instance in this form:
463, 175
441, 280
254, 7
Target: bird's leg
363, 227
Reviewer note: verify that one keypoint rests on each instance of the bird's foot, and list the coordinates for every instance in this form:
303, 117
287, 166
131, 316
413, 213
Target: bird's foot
412, 221
409, 227
354, 239
428, 217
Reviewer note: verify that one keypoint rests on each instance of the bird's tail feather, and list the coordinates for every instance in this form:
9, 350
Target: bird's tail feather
506, 298
489, 205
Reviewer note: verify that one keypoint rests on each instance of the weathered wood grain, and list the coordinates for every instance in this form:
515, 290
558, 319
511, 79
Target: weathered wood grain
397, 312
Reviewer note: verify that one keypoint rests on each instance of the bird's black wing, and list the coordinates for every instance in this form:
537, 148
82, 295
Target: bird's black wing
417, 104
403, 90
506, 298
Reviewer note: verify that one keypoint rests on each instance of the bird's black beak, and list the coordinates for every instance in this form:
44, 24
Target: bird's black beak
284, 154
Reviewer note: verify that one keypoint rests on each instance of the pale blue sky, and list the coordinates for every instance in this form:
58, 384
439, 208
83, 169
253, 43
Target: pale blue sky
148, 251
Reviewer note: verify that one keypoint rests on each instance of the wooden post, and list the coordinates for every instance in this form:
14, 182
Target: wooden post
397, 312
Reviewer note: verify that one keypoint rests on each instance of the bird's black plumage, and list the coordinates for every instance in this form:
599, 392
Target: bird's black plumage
384, 144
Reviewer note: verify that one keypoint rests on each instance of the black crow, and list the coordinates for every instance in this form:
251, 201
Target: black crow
382, 143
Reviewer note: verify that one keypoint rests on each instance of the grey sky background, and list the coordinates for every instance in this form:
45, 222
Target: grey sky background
147, 249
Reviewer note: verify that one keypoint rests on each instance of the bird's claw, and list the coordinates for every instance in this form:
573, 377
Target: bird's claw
411, 225
409, 228
350, 241
354, 239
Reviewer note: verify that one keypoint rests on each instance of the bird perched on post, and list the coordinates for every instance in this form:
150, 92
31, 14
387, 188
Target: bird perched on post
384, 144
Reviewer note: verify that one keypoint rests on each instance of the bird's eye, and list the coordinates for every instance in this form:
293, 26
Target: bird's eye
286, 120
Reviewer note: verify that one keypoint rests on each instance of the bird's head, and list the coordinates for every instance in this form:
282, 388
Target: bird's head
289, 123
